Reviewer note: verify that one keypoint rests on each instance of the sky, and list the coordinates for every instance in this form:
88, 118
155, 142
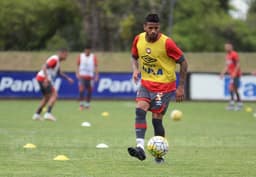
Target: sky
242, 9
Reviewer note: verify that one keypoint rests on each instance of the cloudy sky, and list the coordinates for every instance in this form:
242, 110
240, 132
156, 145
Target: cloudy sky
242, 9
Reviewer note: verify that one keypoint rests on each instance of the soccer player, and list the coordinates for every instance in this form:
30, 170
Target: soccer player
87, 73
45, 77
154, 57
233, 69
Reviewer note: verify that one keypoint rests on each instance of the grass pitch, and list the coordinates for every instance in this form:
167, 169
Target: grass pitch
207, 142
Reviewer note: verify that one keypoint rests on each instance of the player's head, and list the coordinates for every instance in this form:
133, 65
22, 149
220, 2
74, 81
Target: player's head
63, 53
87, 49
152, 27
228, 46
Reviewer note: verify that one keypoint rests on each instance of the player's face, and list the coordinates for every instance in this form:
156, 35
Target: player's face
63, 55
152, 31
87, 52
228, 47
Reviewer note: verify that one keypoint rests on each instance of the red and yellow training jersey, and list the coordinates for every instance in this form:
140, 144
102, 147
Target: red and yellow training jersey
157, 62
232, 59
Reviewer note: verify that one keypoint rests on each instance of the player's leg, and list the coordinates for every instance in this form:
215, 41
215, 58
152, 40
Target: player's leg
45, 92
158, 108
81, 93
88, 86
238, 98
53, 97
231, 105
140, 123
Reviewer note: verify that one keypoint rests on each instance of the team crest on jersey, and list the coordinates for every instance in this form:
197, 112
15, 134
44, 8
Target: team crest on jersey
148, 50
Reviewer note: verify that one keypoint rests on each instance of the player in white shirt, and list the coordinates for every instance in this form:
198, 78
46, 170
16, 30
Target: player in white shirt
45, 77
87, 73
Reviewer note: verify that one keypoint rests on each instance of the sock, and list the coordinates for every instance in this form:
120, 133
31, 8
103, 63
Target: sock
140, 142
158, 127
39, 110
81, 95
140, 126
89, 95
49, 110
231, 102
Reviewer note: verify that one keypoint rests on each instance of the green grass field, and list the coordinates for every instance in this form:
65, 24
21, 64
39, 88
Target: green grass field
207, 142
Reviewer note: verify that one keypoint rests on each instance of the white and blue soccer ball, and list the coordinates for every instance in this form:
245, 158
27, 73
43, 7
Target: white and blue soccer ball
158, 146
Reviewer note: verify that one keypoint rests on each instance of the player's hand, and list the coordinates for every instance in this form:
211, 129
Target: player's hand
180, 95
253, 73
135, 76
96, 78
70, 80
78, 76
221, 75
46, 82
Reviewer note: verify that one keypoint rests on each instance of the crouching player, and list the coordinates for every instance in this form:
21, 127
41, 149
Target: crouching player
45, 77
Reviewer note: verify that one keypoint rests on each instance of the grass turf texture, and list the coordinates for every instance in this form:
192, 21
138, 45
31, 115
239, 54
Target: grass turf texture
207, 142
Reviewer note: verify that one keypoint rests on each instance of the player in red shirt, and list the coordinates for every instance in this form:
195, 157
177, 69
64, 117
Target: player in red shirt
45, 77
233, 69
154, 57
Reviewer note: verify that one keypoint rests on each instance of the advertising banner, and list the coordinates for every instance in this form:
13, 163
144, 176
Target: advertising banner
209, 86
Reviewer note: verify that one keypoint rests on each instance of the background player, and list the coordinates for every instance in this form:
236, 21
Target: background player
233, 69
87, 73
45, 78
154, 56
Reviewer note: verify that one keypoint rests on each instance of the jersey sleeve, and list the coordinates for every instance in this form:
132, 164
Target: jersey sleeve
235, 57
134, 49
173, 51
51, 63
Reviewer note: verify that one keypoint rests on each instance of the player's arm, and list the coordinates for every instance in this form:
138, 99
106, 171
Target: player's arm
65, 76
96, 70
134, 60
237, 62
44, 68
183, 74
177, 55
224, 71
77, 67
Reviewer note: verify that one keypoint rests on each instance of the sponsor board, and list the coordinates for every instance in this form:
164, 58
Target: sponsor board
209, 86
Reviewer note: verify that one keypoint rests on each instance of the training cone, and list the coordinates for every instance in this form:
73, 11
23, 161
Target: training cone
105, 114
102, 146
86, 124
29, 146
248, 109
61, 158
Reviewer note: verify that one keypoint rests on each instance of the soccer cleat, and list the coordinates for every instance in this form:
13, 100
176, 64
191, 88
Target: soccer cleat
49, 116
137, 152
230, 107
239, 106
36, 117
159, 160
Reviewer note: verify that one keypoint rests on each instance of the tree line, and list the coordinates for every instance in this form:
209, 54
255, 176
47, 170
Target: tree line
110, 25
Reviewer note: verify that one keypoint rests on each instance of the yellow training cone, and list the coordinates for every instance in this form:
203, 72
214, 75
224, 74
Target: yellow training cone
105, 114
248, 109
29, 146
61, 157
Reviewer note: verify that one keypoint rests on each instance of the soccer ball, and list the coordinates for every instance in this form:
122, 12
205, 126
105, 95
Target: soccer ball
157, 146
176, 114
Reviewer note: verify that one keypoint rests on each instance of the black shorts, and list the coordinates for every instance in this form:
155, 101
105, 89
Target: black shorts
87, 83
159, 102
46, 89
